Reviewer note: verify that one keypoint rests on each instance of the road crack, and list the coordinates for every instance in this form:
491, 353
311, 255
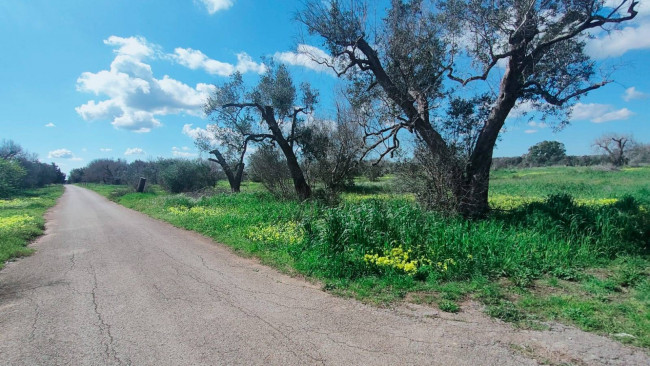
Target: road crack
104, 327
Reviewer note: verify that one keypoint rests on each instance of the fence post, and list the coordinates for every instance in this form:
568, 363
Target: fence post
141, 184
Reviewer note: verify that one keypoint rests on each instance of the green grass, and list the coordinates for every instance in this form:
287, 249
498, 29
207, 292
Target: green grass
586, 184
21, 220
380, 247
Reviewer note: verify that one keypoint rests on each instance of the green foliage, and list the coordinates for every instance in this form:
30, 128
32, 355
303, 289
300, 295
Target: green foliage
448, 306
21, 170
11, 176
21, 220
546, 153
187, 176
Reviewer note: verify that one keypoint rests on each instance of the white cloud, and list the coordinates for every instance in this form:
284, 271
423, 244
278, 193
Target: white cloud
134, 151
537, 124
632, 93
60, 154
132, 46
182, 153
201, 133
135, 96
530, 131
194, 133
213, 6
50, 125
521, 109
195, 59
618, 42
635, 35
599, 113
105, 149
306, 56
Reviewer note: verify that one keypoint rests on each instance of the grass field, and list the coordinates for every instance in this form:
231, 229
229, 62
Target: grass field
565, 244
21, 220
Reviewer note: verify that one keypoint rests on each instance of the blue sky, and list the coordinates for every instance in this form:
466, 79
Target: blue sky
82, 80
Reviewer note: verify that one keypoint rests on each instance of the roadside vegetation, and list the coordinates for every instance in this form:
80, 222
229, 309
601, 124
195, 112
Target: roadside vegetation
566, 244
27, 190
21, 220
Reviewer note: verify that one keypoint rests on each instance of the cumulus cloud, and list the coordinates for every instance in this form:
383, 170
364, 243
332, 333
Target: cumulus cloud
306, 56
618, 42
132, 46
530, 131
194, 133
135, 96
50, 125
60, 154
599, 113
195, 59
182, 152
213, 6
105, 149
134, 151
635, 35
632, 93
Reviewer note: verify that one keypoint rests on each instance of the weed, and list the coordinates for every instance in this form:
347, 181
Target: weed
448, 306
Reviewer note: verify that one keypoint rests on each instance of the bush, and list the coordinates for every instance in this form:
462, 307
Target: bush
187, 176
11, 177
268, 165
431, 180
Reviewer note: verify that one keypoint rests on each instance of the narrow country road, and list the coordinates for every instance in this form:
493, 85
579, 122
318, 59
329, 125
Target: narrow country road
110, 286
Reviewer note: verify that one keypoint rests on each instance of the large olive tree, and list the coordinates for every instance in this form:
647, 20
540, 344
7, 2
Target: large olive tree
268, 112
534, 48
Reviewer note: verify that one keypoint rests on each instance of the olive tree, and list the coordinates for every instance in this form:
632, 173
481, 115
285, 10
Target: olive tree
333, 149
267, 112
232, 131
534, 48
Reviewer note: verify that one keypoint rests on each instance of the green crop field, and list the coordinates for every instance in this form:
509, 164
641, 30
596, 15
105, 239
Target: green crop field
21, 220
564, 244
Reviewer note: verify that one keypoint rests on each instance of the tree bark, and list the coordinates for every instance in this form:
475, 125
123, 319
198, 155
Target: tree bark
473, 200
234, 179
299, 182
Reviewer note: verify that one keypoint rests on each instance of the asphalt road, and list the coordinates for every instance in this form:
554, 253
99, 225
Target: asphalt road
110, 286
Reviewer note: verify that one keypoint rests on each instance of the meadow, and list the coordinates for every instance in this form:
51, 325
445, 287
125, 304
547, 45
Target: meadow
563, 244
21, 220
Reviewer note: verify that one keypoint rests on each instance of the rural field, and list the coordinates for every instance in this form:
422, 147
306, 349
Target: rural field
565, 244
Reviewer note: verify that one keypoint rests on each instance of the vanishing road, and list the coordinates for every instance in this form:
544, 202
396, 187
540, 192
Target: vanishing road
110, 286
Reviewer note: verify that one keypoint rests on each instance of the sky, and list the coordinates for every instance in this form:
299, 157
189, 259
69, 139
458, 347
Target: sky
82, 80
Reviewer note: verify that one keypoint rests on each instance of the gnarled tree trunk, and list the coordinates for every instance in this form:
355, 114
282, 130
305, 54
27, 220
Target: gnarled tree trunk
234, 178
473, 200
299, 182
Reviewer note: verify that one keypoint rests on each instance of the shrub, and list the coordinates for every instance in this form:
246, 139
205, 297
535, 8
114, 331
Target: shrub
268, 165
187, 176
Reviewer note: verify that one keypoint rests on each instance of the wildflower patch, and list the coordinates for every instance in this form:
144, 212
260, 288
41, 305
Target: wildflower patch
16, 222
288, 233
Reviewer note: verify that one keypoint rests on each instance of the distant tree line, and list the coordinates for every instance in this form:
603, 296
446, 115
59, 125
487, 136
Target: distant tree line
613, 149
175, 175
20, 170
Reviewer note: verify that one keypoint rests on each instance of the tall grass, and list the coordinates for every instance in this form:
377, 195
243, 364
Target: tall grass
537, 238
